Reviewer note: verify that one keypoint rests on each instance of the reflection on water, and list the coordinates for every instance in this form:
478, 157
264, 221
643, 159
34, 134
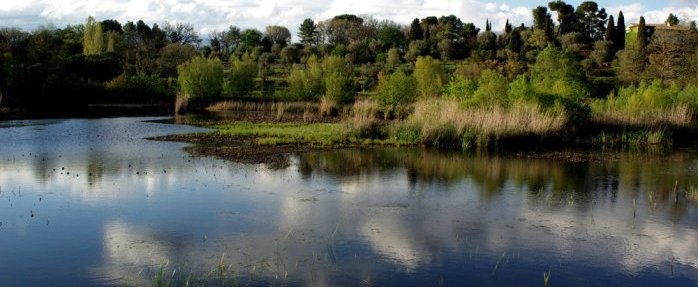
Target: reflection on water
86, 202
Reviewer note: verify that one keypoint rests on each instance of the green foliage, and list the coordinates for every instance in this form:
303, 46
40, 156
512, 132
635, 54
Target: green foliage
338, 88
631, 64
335, 64
492, 90
305, 83
558, 71
322, 134
460, 88
649, 104
672, 20
242, 76
308, 32
521, 89
137, 88
93, 39
429, 76
201, 78
393, 59
395, 90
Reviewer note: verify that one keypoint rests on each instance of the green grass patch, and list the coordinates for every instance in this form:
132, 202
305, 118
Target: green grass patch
323, 134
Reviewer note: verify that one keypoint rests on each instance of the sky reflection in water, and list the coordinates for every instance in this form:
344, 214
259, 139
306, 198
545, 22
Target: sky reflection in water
118, 207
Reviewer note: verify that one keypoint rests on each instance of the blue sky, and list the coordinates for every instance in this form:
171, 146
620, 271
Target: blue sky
212, 15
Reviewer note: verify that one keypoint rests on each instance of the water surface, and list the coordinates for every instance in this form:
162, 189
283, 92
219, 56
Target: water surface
91, 202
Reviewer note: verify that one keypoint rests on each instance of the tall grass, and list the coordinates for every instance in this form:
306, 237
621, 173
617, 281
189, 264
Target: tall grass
522, 118
648, 105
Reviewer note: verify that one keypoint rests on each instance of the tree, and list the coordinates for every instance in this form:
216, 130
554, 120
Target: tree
429, 76
111, 25
243, 71
344, 29
228, 40
250, 38
278, 35
567, 19
487, 45
415, 31
93, 40
172, 56
610, 30
602, 53
201, 78
620, 32
667, 53
592, 20
390, 35
642, 37
543, 21
393, 59
305, 83
631, 64
181, 33
672, 20
395, 90
308, 32
558, 72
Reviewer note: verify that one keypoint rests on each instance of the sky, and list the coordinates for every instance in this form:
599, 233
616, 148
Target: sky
216, 15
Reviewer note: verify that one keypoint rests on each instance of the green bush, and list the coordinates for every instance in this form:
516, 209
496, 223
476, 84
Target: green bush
305, 83
429, 76
242, 76
521, 89
394, 91
460, 88
492, 90
139, 87
201, 78
338, 88
558, 71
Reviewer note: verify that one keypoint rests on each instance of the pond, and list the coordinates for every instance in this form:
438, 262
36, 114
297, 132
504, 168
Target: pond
91, 202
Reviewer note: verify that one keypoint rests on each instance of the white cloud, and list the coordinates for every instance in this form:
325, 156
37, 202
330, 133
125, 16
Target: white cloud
685, 10
210, 15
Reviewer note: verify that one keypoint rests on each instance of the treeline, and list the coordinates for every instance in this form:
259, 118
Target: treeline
347, 56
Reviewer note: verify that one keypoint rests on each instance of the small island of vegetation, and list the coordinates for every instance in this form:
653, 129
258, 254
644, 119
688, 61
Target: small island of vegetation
584, 79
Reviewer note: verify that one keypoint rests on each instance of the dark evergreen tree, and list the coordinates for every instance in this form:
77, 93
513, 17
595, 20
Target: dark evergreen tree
642, 35
416, 32
515, 43
672, 20
507, 27
610, 30
308, 32
620, 32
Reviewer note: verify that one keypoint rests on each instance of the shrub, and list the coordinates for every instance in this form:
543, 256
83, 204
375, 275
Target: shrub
201, 78
558, 71
429, 76
305, 83
492, 90
338, 88
460, 88
139, 87
242, 75
394, 91
648, 104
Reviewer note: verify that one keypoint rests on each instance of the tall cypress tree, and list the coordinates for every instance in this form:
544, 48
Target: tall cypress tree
507, 27
620, 32
610, 30
642, 35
